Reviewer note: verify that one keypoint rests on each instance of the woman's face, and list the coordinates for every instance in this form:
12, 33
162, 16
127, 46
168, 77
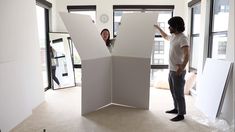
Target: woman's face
105, 35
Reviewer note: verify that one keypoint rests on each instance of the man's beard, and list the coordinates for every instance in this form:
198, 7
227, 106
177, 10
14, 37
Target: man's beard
172, 31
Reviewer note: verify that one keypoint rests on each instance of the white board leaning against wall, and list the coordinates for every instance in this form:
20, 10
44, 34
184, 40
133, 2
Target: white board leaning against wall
212, 86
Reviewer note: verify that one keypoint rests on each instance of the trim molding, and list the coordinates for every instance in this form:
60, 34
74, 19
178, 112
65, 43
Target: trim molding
193, 2
143, 6
44, 4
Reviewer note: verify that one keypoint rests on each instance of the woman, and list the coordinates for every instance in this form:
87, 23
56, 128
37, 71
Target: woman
105, 34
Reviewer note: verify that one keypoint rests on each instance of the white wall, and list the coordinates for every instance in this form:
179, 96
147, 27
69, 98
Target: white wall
106, 6
21, 87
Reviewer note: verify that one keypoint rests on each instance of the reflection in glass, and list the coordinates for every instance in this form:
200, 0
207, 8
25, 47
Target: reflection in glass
160, 52
219, 46
61, 64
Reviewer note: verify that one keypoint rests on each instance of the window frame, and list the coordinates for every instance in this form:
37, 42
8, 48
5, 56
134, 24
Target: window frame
191, 5
211, 32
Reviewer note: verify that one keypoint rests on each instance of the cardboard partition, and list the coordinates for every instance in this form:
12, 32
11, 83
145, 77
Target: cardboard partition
96, 84
212, 86
131, 81
135, 37
96, 63
123, 78
131, 59
85, 36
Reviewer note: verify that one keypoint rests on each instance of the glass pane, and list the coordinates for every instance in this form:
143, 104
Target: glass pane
196, 19
220, 15
76, 57
163, 18
219, 46
159, 78
160, 52
42, 41
194, 52
92, 14
78, 76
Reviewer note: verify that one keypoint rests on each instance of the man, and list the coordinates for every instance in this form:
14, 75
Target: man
178, 59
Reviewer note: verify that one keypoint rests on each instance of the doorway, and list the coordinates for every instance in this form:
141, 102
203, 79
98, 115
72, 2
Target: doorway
43, 28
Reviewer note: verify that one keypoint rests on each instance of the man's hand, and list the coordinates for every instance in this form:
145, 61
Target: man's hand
156, 26
179, 70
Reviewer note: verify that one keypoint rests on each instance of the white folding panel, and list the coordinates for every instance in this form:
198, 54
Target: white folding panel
131, 59
96, 63
211, 86
85, 36
135, 36
131, 81
122, 78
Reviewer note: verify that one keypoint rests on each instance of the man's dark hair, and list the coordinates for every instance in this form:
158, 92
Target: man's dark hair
177, 23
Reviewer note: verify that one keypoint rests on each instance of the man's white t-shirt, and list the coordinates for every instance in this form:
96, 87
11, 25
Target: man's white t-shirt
176, 54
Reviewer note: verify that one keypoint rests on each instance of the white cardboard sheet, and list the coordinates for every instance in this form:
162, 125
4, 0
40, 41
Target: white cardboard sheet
96, 84
133, 44
85, 36
135, 37
211, 86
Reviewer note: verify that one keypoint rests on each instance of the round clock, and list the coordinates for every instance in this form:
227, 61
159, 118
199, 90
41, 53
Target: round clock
104, 18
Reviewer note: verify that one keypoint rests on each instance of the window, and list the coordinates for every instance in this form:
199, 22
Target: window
194, 35
85, 10
159, 47
219, 29
159, 56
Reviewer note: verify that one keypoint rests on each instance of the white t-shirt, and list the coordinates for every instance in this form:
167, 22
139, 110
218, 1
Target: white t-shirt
176, 54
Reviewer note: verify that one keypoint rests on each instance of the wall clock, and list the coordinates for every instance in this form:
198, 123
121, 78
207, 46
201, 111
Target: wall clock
104, 18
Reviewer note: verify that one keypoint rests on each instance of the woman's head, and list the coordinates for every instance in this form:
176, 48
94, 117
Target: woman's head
105, 34
176, 24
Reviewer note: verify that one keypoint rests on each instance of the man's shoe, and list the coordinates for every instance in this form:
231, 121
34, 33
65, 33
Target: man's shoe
178, 118
174, 111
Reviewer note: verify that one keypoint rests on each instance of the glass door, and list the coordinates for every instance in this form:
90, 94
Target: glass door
42, 32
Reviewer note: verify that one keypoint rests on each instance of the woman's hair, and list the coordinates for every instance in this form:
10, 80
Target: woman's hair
108, 40
177, 23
